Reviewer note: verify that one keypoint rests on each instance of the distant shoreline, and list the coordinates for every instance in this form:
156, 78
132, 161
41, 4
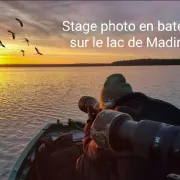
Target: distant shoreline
136, 62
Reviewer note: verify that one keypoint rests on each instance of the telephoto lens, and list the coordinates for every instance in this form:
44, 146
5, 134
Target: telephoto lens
86, 102
117, 131
147, 139
103, 131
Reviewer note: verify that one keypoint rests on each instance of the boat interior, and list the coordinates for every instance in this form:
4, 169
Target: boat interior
54, 155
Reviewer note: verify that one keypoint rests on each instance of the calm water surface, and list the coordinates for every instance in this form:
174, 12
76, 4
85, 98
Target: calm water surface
32, 97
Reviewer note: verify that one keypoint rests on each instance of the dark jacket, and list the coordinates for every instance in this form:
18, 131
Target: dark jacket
99, 164
142, 107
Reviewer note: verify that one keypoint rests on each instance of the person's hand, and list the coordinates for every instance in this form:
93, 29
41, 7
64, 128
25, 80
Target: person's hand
91, 118
91, 114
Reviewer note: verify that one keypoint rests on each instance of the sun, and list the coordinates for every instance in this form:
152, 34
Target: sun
3, 59
6, 54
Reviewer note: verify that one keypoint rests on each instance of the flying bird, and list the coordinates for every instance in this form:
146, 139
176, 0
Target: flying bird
38, 51
22, 52
21, 23
2, 44
13, 34
26, 40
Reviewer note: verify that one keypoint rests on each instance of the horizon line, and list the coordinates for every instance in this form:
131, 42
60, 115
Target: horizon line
133, 62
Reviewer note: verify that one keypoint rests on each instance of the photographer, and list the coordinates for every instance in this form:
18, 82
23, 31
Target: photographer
99, 163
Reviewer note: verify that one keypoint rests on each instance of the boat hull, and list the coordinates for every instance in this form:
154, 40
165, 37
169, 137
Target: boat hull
22, 167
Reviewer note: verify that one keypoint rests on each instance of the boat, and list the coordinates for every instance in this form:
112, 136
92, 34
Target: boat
24, 165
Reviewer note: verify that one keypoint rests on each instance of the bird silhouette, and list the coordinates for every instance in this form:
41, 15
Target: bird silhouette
2, 44
26, 40
20, 22
13, 34
38, 51
22, 52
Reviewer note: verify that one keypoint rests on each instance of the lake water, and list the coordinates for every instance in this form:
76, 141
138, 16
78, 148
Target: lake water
32, 97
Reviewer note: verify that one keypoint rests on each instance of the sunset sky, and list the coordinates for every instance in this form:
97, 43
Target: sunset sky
43, 24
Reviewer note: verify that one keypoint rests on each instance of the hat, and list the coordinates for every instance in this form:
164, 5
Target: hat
114, 87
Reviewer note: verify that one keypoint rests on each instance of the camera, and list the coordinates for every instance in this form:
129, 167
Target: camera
155, 141
117, 132
146, 138
87, 102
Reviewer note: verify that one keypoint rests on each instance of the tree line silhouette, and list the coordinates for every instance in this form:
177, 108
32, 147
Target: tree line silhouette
146, 62
136, 62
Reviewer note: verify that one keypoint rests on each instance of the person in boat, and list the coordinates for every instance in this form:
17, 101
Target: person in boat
97, 163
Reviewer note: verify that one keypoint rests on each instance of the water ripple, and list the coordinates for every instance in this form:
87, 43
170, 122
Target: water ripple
32, 97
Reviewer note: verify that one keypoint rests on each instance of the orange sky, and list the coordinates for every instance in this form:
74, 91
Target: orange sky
58, 55
44, 30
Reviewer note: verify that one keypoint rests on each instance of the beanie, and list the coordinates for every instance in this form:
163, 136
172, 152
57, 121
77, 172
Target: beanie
114, 87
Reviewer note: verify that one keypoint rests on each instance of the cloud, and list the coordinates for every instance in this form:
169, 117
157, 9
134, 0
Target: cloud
43, 19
